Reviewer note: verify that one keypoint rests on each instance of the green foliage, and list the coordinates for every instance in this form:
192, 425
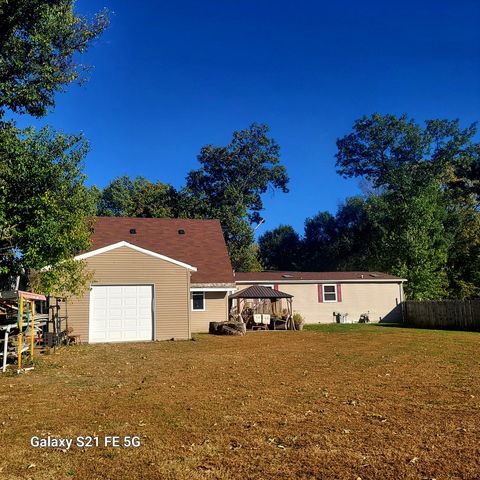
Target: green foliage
410, 240
426, 218
319, 242
340, 242
419, 220
463, 220
65, 279
354, 241
330, 242
39, 40
229, 186
298, 319
45, 207
137, 198
279, 248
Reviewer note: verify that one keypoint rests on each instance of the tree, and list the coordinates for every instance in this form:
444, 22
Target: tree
229, 186
39, 40
463, 219
154, 200
354, 243
124, 197
340, 241
116, 198
279, 248
410, 240
330, 242
319, 243
45, 206
414, 215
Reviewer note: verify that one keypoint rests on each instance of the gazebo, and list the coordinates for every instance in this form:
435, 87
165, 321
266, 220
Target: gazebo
266, 300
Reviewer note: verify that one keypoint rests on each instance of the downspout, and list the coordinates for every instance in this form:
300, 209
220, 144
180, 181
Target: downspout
189, 313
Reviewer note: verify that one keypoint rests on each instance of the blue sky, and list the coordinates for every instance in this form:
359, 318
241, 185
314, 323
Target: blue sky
170, 77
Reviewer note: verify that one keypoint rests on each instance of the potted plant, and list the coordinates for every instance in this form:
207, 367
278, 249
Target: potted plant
298, 320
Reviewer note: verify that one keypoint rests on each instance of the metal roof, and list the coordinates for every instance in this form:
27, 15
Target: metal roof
259, 291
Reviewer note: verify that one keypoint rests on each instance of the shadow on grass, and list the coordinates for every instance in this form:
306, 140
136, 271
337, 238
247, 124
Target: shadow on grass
426, 329
338, 327
370, 327
394, 325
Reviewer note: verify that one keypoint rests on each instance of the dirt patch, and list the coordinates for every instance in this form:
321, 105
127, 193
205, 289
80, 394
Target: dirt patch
341, 402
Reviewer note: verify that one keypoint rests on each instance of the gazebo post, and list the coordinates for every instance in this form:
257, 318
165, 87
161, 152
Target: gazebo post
240, 305
290, 309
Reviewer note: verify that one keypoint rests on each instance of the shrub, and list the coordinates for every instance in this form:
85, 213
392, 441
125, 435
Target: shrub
298, 319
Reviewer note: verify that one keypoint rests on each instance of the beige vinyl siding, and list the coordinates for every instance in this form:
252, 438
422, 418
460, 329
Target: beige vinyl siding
216, 310
381, 299
124, 266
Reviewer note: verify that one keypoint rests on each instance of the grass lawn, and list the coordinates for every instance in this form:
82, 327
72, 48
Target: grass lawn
332, 402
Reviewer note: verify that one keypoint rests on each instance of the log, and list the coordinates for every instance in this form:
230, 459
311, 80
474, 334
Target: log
227, 328
213, 327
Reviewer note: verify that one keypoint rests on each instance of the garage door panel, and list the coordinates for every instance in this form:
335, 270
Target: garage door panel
143, 301
115, 336
121, 313
130, 313
130, 324
115, 302
130, 302
130, 290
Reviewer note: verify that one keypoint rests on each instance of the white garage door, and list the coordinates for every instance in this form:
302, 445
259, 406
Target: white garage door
121, 313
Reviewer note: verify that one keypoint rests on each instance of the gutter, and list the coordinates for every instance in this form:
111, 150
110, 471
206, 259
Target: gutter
357, 280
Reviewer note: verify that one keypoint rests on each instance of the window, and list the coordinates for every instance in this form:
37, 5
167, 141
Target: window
198, 301
329, 293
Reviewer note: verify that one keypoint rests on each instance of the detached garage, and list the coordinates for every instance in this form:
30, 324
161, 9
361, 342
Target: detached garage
154, 279
137, 295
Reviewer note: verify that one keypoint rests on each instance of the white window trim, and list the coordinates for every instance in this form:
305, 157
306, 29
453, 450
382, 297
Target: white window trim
269, 285
198, 309
334, 285
123, 243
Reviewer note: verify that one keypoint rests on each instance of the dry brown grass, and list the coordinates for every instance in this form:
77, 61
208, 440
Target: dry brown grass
341, 402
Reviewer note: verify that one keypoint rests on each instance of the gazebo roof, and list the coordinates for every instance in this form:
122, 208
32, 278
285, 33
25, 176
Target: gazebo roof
259, 291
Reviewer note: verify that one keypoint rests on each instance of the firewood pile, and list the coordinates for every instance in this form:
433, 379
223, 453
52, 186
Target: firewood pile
227, 328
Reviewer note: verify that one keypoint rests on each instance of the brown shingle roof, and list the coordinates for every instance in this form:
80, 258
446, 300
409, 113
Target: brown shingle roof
202, 245
311, 276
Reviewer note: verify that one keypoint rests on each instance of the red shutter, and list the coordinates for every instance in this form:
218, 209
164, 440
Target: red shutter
275, 287
320, 293
339, 292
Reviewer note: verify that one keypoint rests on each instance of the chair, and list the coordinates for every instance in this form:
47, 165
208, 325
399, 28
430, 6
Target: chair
258, 322
72, 338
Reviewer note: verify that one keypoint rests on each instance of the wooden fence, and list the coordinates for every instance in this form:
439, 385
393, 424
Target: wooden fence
444, 314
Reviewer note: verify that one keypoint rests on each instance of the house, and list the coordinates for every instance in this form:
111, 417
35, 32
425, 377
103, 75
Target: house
154, 279
157, 279
319, 296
